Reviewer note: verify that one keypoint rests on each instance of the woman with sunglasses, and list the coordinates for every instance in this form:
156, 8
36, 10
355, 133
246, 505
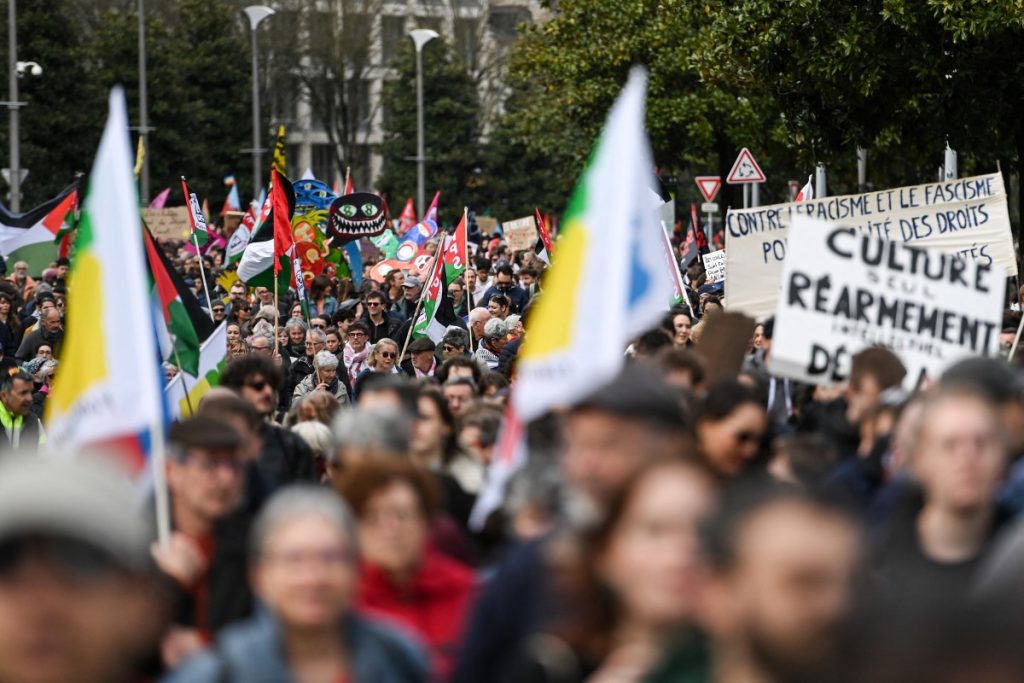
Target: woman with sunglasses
731, 427
383, 357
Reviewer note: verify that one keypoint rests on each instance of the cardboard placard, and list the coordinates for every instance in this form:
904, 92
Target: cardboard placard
521, 234
843, 291
169, 223
967, 216
714, 265
486, 225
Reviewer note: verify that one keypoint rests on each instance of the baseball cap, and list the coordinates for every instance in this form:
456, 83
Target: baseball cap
411, 281
83, 499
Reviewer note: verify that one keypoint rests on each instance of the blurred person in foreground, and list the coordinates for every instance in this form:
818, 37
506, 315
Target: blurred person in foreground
76, 603
304, 569
205, 558
781, 569
632, 583
608, 435
403, 578
933, 545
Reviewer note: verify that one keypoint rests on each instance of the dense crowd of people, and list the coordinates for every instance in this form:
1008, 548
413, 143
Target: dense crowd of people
694, 519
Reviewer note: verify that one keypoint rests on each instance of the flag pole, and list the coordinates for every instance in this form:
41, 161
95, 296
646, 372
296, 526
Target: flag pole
277, 319
202, 274
423, 292
160, 496
184, 387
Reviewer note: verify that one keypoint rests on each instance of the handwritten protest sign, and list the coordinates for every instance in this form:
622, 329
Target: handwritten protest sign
714, 265
844, 290
968, 217
168, 224
520, 233
486, 224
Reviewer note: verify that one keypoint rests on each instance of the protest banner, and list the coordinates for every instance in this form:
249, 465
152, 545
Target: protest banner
168, 224
520, 233
714, 265
844, 290
968, 216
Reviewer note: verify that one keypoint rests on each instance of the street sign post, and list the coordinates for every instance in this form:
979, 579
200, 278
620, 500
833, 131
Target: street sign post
745, 171
708, 186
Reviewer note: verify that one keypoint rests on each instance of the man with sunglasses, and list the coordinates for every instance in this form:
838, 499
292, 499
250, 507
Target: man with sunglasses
284, 456
382, 325
75, 600
22, 429
206, 556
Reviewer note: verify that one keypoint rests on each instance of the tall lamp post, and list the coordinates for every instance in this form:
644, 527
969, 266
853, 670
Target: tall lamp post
256, 14
420, 37
143, 106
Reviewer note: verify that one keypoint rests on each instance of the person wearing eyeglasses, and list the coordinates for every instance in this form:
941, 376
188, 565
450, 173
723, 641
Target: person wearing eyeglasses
22, 429
731, 427
382, 325
305, 570
284, 457
357, 348
206, 555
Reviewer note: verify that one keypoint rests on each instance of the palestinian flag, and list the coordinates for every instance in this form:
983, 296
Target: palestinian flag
183, 393
257, 267
455, 254
436, 310
196, 215
187, 326
32, 236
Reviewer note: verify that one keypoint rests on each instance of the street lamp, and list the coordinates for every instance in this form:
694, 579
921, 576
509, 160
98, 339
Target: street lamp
15, 70
256, 14
420, 37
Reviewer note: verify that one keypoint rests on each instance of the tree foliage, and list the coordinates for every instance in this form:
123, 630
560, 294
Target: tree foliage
895, 76
451, 130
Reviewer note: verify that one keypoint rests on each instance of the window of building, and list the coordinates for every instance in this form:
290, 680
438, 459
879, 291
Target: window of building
504, 22
323, 162
358, 96
359, 160
466, 41
392, 32
433, 23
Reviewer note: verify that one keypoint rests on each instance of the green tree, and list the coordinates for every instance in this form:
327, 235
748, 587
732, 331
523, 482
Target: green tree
451, 130
199, 90
64, 113
569, 70
894, 76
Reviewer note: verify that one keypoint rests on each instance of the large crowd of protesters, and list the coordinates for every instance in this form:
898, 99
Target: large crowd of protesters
678, 524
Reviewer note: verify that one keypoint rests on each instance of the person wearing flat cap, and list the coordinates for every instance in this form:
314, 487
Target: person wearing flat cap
76, 602
206, 557
421, 361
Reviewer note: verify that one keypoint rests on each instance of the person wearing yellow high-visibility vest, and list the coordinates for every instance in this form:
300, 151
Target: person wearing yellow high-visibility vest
21, 429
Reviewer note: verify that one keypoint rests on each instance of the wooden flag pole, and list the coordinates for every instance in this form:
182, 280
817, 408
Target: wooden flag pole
423, 293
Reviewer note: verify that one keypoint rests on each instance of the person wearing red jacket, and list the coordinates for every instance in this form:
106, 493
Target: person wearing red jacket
403, 579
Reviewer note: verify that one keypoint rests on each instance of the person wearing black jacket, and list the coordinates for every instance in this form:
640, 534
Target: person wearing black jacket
206, 557
284, 457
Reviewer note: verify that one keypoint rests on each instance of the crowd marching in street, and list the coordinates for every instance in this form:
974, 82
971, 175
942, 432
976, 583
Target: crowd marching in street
519, 465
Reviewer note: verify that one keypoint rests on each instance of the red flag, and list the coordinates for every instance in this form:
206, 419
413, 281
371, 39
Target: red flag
348, 181
284, 241
408, 217
545, 238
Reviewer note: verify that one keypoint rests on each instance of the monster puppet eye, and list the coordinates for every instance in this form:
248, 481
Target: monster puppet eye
369, 209
348, 211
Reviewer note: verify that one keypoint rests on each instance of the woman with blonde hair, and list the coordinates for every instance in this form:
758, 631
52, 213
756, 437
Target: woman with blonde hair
382, 358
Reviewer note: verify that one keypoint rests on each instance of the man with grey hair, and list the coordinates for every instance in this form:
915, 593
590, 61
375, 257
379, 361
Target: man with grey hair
494, 339
262, 344
325, 377
478, 317
455, 343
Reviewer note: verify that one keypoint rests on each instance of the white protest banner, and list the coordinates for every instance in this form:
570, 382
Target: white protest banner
968, 217
520, 233
844, 290
714, 265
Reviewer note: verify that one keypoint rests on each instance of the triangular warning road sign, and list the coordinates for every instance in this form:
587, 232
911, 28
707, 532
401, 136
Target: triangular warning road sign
708, 186
745, 170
